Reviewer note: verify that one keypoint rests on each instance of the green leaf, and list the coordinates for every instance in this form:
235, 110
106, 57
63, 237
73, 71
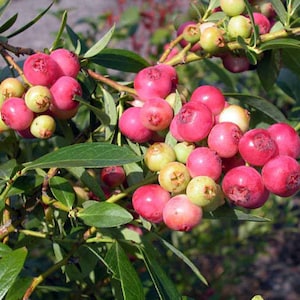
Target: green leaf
18, 289
282, 43
291, 59
260, 104
25, 184
76, 41
62, 190
120, 59
100, 45
10, 266
225, 212
101, 116
61, 30
88, 180
289, 83
280, 10
3, 5
164, 286
268, 69
8, 23
111, 111
185, 259
88, 155
104, 215
7, 168
4, 249
124, 273
29, 24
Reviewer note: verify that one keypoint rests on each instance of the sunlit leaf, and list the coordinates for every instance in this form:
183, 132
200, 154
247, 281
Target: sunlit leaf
100, 45
88, 155
280, 10
104, 215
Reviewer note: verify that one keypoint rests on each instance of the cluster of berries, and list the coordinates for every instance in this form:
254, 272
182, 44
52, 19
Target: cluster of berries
30, 107
216, 156
213, 37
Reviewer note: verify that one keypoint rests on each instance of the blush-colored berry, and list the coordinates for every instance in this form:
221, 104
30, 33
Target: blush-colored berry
155, 81
181, 214
194, 121
156, 114
67, 60
64, 91
113, 176
256, 147
262, 22
243, 186
41, 69
224, 139
15, 114
203, 161
286, 138
131, 126
281, 175
149, 202
211, 96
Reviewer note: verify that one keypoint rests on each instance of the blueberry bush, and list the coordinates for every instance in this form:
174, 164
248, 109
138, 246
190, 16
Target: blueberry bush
155, 170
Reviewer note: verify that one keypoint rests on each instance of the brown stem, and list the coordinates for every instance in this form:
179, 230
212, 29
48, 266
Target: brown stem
17, 50
111, 83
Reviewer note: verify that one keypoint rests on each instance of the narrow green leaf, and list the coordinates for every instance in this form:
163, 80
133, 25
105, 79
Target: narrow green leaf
120, 59
104, 215
11, 21
185, 259
61, 30
29, 24
76, 41
164, 286
260, 104
62, 190
280, 10
10, 266
101, 116
225, 212
124, 273
111, 111
3, 5
282, 43
268, 69
88, 180
100, 45
88, 155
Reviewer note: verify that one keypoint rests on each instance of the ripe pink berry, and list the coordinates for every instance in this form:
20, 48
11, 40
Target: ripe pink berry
262, 22
62, 114
15, 114
131, 126
174, 129
286, 138
41, 69
181, 214
256, 147
67, 60
155, 81
203, 161
224, 139
194, 121
243, 186
156, 114
211, 96
232, 162
149, 202
113, 176
281, 175
64, 91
